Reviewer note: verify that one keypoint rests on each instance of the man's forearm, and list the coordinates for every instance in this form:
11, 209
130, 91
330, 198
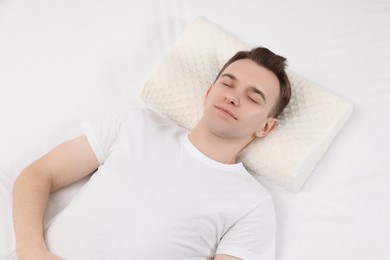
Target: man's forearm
30, 197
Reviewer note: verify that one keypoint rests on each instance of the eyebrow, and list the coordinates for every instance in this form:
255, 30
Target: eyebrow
251, 88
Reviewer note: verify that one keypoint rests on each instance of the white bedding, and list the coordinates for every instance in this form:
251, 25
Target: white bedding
62, 62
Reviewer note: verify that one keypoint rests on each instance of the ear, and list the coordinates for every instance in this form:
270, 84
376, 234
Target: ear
269, 125
208, 90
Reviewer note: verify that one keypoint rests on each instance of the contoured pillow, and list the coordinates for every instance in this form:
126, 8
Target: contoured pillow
306, 127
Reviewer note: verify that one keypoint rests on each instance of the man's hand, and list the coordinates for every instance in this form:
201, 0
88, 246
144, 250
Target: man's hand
38, 255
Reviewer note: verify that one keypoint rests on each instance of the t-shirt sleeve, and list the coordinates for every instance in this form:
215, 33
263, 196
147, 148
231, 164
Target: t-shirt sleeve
102, 133
253, 236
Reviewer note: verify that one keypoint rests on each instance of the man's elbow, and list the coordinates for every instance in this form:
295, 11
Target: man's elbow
32, 178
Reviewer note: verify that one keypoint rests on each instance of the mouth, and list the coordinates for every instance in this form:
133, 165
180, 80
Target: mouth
226, 111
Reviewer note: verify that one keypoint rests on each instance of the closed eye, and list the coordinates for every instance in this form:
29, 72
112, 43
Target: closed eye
226, 85
255, 98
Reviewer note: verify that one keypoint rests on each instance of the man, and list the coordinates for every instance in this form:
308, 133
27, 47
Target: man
161, 192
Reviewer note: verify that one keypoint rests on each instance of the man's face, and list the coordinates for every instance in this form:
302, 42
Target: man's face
237, 105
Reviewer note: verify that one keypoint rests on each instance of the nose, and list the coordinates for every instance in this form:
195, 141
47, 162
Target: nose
230, 99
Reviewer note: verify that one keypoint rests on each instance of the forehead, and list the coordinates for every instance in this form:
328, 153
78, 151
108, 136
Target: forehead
250, 74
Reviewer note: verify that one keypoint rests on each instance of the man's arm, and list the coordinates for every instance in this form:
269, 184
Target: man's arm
62, 166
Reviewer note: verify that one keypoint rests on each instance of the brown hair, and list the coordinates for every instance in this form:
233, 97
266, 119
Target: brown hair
273, 62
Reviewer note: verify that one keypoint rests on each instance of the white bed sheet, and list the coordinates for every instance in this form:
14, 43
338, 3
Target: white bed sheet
62, 62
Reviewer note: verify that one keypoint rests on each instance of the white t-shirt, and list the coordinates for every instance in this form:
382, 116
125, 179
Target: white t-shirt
155, 196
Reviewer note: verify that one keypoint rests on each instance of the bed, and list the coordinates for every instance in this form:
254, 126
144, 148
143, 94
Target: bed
63, 62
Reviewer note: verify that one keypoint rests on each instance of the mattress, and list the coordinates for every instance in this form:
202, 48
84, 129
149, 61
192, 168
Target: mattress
62, 63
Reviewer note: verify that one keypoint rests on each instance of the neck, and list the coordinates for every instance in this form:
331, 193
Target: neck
219, 148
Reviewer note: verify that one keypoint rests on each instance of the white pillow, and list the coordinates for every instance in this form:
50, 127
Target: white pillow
306, 127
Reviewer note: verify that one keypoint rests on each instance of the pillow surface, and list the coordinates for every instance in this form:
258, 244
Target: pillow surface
306, 127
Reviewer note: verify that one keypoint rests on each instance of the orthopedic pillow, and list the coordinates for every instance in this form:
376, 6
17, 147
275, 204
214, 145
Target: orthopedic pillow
306, 127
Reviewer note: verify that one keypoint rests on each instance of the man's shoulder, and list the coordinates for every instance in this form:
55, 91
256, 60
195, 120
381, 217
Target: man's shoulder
256, 186
151, 115
149, 122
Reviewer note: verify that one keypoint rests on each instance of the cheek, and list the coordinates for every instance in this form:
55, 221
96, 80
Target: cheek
257, 119
208, 100
211, 96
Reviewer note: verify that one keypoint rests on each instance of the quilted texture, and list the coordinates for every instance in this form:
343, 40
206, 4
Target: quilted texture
306, 127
